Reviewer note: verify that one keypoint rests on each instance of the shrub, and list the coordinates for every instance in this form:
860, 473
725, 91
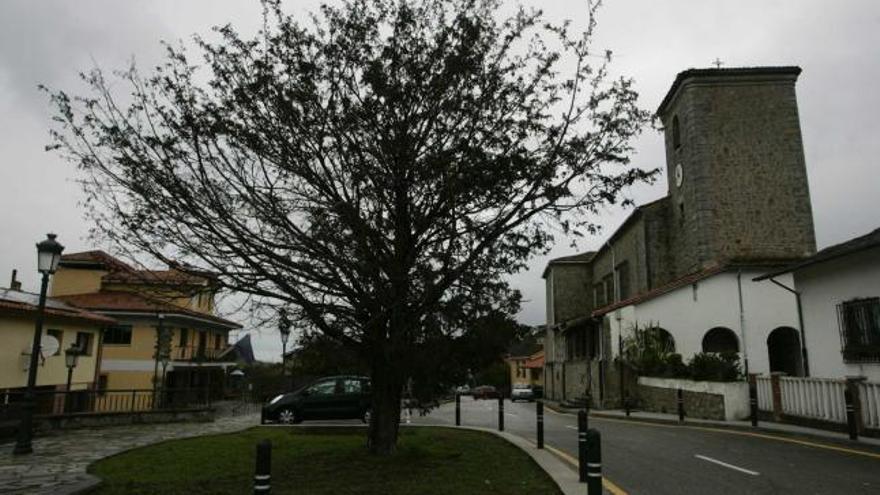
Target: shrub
715, 367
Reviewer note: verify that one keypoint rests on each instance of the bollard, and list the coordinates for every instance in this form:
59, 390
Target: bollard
594, 463
263, 473
626, 405
753, 403
680, 399
457, 409
539, 404
500, 413
582, 446
850, 415
263, 416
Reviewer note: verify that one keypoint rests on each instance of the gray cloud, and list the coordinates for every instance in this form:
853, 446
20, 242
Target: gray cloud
836, 43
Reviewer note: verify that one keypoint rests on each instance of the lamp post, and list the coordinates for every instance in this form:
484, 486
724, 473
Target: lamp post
284, 328
71, 356
48, 256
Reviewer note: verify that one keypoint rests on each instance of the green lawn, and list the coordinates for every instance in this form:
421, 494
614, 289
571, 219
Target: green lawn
328, 461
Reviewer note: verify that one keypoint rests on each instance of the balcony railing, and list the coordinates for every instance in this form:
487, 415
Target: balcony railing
197, 353
86, 402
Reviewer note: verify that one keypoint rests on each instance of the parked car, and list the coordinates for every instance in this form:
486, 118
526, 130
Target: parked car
485, 392
332, 397
522, 391
463, 390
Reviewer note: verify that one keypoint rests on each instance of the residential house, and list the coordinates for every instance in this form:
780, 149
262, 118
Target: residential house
64, 326
839, 292
142, 302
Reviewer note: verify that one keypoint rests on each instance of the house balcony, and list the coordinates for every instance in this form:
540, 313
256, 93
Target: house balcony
198, 354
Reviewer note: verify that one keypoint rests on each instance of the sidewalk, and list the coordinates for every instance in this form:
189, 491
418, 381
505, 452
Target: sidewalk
763, 426
58, 464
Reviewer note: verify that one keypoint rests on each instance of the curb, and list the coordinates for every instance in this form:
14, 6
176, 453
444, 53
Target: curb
561, 474
818, 437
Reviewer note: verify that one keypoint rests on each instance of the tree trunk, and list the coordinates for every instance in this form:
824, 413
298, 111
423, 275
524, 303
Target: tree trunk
385, 417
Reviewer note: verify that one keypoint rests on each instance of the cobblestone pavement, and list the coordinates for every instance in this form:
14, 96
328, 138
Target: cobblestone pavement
58, 464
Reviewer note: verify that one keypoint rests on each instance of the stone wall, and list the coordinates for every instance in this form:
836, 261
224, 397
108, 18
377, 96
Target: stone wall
571, 286
96, 420
696, 404
706, 400
744, 193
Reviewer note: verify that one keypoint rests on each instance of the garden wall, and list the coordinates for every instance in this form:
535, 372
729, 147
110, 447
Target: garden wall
707, 400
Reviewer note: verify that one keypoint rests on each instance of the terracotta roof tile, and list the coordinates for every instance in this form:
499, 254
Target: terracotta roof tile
136, 303
19, 303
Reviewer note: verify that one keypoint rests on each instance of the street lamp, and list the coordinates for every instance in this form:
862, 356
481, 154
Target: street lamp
71, 356
48, 256
284, 328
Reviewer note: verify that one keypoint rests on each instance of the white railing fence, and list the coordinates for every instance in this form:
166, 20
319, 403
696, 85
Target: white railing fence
819, 398
765, 393
869, 395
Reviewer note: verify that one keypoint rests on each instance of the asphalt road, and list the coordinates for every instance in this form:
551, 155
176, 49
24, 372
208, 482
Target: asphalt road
671, 459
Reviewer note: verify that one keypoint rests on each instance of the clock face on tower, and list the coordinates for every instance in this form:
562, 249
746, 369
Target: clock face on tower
679, 175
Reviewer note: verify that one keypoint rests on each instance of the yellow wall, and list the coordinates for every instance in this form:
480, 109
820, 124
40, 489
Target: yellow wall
526, 376
68, 281
18, 334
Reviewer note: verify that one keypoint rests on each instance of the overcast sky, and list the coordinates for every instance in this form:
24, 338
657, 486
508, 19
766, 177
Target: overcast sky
837, 43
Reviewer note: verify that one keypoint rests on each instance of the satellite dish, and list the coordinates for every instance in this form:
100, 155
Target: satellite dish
49, 345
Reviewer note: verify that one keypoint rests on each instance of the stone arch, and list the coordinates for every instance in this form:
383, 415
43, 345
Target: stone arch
784, 351
720, 339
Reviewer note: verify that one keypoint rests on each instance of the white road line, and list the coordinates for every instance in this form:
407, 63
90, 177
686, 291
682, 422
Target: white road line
510, 414
731, 466
571, 427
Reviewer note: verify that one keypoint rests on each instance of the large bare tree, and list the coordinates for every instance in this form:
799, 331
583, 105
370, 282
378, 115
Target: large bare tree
378, 168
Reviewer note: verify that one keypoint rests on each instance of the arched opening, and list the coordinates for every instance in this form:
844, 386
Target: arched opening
663, 340
784, 351
720, 339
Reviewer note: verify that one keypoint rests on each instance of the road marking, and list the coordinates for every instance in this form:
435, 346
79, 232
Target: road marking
606, 483
747, 434
722, 463
510, 414
571, 427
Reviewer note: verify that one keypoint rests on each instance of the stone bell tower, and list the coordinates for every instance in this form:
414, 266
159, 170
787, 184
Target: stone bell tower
735, 163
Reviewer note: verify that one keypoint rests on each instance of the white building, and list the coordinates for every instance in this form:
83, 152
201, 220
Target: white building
839, 291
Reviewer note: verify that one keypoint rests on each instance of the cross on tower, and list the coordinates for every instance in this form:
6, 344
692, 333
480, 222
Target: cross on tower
717, 63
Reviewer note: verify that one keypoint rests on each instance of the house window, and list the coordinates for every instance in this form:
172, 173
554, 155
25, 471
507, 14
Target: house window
118, 335
184, 337
598, 295
59, 335
860, 329
84, 343
218, 341
608, 281
576, 343
102, 384
623, 280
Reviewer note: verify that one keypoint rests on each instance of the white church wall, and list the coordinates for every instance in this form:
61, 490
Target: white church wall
688, 313
823, 286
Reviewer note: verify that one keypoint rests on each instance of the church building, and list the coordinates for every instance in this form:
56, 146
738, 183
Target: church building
738, 207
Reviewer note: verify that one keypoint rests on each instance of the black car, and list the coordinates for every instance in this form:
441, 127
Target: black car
332, 397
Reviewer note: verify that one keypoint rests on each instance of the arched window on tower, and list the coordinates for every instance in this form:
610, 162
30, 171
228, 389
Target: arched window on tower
676, 133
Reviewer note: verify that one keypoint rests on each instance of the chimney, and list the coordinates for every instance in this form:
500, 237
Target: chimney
14, 284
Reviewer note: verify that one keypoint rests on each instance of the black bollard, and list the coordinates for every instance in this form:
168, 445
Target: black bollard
263, 473
457, 409
582, 446
594, 463
500, 413
626, 405
539, 404
753, 403
680, 399
850, 415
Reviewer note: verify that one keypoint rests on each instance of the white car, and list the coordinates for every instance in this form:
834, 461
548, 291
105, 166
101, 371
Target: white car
522, 392
463, 390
